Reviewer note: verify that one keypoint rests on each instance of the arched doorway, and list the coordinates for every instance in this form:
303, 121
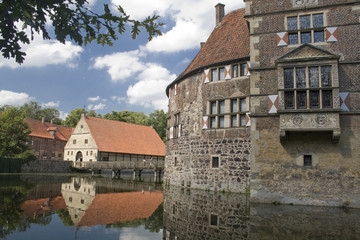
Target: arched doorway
79, 157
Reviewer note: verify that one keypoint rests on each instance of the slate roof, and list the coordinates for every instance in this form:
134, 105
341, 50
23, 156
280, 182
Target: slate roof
121, 207
120, 137
40, 129
227, 43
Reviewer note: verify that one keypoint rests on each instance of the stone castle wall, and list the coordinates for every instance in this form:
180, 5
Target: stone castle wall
277, 162
188, 161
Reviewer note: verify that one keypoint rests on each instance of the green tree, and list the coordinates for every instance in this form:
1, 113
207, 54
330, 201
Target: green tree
13, 132
70, 19
73, 118
129, 117
33, 110
158, 120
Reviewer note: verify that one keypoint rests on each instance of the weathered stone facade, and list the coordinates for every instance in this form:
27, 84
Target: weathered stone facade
301, 152
302, 95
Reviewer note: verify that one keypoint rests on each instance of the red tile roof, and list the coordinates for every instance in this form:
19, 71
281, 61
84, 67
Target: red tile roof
39, 206
40, 129
121, 137
121, 207
228, 42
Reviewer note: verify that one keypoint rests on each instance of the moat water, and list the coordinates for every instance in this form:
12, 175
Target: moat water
100, 207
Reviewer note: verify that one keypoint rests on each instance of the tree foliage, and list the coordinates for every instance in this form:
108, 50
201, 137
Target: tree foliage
157, 120
70, 19
73, 118
129, 117
13, 132
33, 110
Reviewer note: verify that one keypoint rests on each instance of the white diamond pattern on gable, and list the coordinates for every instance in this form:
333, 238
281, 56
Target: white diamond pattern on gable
248, 120
282, 39
227, 72
344, 101
205, 122
273, 103
206, 75
331, 34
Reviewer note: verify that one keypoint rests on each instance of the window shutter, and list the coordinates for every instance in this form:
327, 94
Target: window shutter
247, 68
228, 72
179, 135
344, 101
206, 75
171, 132
331, 34
248, 120
273, 103
205, 122
282, 39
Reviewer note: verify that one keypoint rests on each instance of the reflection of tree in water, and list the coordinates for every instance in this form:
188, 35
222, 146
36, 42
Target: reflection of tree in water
65, 217
154, 223
10, 211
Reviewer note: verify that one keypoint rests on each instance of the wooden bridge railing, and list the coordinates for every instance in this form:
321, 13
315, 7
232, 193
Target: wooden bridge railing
120, 165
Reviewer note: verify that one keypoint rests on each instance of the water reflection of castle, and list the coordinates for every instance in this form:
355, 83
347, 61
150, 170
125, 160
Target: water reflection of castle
194, 214
88, 206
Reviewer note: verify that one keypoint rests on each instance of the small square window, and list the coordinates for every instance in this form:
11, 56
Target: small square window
305, 22
318, 20
221, 122
86, 141
213, 220
221, 106
215, 162
221, 73
243, 105
175, 161
292, 23
319, 36
307, 160
213, 122
74, 141
305, 37
293, 38
214, 76
235, 71
234, 122
243, 69
213, 108
243, 120
234, 103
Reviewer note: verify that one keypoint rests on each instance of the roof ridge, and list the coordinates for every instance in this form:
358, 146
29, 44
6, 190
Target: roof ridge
117, 121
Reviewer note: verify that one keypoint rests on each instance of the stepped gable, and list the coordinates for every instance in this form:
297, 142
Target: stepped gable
228, 42
116, 136
42, 129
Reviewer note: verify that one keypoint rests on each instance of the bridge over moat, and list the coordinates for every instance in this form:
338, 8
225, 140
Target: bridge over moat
138, 166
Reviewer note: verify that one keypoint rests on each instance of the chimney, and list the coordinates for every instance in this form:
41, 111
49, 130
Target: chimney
220, 13
51, 122
202, 44
43, 120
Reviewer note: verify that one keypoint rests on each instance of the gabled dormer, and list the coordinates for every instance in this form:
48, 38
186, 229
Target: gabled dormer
308, 87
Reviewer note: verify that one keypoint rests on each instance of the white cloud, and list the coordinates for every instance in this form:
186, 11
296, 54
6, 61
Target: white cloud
120, 66
194, 20
118, 99
94, 99
99, 106
13, 98
63, 115
139, 233
41, 53
149, 91
51, 104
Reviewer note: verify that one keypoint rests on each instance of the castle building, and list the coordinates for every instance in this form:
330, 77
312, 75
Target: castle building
270, 105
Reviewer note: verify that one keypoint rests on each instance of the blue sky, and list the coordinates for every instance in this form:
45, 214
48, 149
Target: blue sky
131, 75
